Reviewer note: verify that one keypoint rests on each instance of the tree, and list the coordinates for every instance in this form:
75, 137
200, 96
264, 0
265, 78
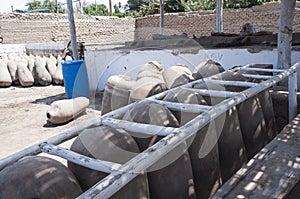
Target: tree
96, 10
173, 6
46, 4
118, 7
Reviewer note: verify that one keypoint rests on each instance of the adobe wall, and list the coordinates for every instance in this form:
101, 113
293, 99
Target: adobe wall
38, 28
203, 23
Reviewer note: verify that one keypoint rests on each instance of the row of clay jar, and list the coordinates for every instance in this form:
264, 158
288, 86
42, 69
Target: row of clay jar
28, 70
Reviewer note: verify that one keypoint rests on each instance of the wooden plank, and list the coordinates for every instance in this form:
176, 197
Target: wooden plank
190, 108
98, 165
139, 128
272, 173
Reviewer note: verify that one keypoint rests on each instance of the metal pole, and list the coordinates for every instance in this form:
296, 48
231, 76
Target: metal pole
161, 18
219, 15
285, 33
72, 29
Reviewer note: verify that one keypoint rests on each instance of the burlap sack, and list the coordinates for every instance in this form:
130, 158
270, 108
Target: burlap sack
116, 93
113, 145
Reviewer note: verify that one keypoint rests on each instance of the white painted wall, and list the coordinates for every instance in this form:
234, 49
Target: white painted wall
102, 64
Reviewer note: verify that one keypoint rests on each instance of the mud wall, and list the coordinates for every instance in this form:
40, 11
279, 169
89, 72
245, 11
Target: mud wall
39, 28
203, 23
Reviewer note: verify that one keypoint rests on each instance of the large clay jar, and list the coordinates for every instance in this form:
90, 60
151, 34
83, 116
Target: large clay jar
38, 177
24, 74
62, 111
116, 93
177, 75
251, 117
207, 68
43, 76
149, 82
232, 152
5, 78
113, 145
203, 147
171, 176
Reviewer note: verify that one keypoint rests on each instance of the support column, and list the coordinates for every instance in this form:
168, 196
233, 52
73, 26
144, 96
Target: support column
285, 33
72, 29
161, 18
219, 15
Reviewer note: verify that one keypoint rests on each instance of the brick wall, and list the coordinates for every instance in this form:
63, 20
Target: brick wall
203, 23
38, 28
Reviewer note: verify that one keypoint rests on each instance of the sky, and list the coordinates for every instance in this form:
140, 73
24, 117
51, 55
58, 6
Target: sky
5, 5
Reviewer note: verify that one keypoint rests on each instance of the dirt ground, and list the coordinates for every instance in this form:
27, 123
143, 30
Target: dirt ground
23, 119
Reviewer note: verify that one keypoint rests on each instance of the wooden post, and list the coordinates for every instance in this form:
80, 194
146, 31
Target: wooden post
56, 6
292, 96
72, 30
284, 47
110, 8
285, 33
161, 18
219, 15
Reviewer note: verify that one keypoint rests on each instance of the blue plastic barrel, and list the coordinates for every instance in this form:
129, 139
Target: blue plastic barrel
75, 79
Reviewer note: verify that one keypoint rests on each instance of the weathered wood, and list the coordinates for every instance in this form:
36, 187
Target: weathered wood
231, 83
263, 70
191, 108
292, 96
272, 173
133, 127
285, 32
72, 29
110, 185
215, 93
219, 15
257, 76
98, 165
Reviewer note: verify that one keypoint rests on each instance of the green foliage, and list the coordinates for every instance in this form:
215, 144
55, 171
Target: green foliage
173, 6
46, 4
96, 10
196, 5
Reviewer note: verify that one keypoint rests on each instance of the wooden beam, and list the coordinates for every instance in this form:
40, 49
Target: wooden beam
219, 15
72, 29
272, 172
285, 32
139, 128
161, 18
79, 159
